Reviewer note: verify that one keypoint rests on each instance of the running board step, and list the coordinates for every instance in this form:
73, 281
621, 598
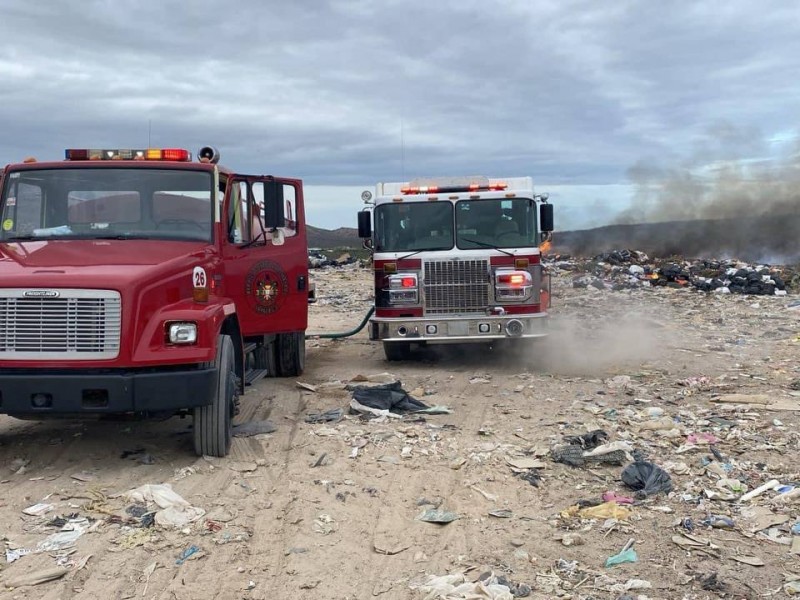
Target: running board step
253, 375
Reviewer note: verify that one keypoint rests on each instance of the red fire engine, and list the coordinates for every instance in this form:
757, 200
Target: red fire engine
457, 260
141, 282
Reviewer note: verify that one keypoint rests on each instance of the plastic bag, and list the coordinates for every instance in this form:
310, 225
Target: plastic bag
626, 556
646, 478
389, 396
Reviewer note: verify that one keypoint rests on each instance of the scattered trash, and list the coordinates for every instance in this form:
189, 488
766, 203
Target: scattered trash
770, 485
718, 522
175, 511
186, 554
324, 524
69, 534
456, 586
433, 515
753, 561
389, 397
148, 572
626, 556
36, 577
331, 416
37, 510
613, 497
16, 553
525, 463
591, 447
607, 510
252, 428
646, 478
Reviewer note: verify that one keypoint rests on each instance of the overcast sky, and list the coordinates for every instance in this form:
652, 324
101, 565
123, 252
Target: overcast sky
573, 92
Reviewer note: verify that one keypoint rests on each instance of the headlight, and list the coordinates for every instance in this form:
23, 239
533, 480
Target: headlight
182, 333
512, 286
403, 288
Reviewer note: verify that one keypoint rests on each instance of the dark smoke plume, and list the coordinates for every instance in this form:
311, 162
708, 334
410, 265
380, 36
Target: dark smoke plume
719, 203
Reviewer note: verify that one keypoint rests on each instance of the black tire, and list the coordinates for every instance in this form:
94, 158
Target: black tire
266, 358
396, 351
291, 354
213, 424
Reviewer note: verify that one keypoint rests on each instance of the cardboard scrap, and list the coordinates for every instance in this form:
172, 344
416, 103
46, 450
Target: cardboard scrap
525, 463
37, 577
753, 561
765, 401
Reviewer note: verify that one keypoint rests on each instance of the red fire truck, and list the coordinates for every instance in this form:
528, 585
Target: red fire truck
457, 260
143, 283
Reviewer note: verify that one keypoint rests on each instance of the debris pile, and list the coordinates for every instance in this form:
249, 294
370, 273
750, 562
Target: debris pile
631, 269
317, 259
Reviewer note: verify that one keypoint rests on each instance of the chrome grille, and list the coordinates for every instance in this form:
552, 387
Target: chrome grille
77, 324
456, 286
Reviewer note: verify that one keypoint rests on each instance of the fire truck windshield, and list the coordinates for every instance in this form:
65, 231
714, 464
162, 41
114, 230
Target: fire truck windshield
498, 223
413, 226
94, 203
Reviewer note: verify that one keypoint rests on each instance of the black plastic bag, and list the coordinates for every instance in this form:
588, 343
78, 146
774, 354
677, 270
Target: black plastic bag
388, 396
646, 478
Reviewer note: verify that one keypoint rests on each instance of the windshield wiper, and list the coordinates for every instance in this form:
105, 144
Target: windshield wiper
20, 238
485, 245
120, 236
410, 255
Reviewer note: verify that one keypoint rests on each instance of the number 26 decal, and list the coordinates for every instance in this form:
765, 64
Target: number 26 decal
199, 277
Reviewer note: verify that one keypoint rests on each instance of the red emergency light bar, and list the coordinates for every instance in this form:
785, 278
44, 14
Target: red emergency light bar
434, 189
175, 154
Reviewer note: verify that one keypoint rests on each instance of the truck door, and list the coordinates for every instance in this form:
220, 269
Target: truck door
265, 254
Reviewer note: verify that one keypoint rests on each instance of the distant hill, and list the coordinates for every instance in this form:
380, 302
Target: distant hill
772, 239
344, 237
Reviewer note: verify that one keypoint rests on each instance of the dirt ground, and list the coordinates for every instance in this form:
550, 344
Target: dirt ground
329, 510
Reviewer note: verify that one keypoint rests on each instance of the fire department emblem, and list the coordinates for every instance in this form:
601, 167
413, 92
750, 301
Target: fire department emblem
266, 286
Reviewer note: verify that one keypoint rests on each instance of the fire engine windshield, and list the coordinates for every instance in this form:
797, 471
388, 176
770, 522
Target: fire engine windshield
103, 203
496, 223
413, 226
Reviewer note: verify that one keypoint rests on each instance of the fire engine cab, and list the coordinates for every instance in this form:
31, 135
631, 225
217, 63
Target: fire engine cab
145, 283
457, 260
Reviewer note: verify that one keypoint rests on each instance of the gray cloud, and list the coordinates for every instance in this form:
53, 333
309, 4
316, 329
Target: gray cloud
570, 92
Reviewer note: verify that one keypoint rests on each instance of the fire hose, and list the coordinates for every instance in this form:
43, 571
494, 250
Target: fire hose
315, 336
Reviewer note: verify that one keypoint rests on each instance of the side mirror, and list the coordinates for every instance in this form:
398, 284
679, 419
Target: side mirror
546, 217
273, 205
364, 224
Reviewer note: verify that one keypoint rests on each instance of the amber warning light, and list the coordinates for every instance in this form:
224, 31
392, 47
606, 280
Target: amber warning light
174, 154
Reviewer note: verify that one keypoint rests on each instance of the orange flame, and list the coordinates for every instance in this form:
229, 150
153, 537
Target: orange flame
545, 246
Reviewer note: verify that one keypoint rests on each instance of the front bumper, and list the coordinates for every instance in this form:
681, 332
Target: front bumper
458, 329
77, 392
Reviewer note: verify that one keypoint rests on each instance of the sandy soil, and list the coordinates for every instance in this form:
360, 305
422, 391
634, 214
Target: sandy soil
299, 513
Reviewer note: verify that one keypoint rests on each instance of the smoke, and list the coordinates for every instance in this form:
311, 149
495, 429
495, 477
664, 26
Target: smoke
584, 346
736, 196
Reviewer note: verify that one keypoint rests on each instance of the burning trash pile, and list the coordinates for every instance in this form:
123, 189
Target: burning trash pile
317, 259
631, 269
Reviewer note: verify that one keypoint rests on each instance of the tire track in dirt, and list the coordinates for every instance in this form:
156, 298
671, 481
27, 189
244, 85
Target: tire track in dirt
437, 541
261, 558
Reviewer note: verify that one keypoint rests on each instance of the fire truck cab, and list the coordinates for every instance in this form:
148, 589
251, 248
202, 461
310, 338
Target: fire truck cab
144, 283
457, 260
